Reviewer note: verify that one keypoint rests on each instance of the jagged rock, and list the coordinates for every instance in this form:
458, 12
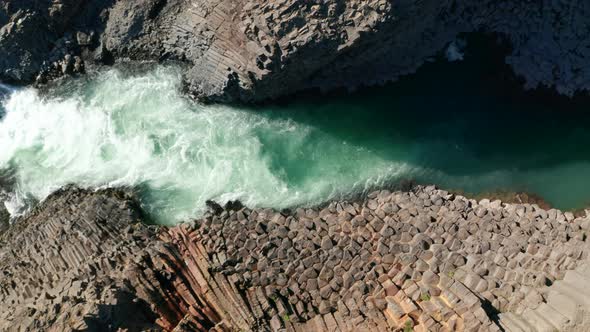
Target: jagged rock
254, 49
87, 252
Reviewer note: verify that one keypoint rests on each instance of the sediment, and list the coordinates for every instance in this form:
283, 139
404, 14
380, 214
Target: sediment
255, 50
423, 260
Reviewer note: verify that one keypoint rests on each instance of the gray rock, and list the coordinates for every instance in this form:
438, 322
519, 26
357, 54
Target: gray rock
258, 50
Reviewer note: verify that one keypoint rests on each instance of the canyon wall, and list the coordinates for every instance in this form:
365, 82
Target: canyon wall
259, 49
424, 260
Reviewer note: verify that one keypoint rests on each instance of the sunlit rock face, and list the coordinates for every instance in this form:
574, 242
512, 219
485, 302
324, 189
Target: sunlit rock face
254, 50
424, 260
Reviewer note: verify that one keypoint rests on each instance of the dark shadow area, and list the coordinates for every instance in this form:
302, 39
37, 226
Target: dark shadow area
491, 311
465, 119
476, 105
130, 313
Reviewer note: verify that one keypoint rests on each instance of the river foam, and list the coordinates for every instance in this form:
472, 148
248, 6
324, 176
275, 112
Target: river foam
136, 129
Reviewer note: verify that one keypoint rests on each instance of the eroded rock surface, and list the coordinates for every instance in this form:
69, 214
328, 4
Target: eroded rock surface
425, 259
259, 49
82, 261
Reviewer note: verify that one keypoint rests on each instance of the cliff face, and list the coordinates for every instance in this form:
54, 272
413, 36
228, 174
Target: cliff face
255, 49
426, 260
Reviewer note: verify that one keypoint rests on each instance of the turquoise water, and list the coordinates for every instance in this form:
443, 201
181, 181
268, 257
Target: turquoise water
134, 128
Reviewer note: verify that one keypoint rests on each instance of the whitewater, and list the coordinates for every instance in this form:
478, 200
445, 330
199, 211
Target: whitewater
119, 130
135, 129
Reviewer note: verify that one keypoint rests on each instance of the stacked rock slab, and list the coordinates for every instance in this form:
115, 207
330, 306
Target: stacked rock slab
427, 259
249, 50
82, 262
424, 260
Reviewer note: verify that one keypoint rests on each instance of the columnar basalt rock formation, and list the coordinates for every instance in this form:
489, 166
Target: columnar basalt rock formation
424, 260
83, 262
259, 49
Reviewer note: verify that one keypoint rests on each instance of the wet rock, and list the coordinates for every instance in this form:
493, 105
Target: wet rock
4, 218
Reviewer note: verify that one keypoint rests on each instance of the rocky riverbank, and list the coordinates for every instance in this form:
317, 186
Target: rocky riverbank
255, 50
423, 260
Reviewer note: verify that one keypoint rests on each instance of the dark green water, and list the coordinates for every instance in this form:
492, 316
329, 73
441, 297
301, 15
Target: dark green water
467, 126
451, 124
